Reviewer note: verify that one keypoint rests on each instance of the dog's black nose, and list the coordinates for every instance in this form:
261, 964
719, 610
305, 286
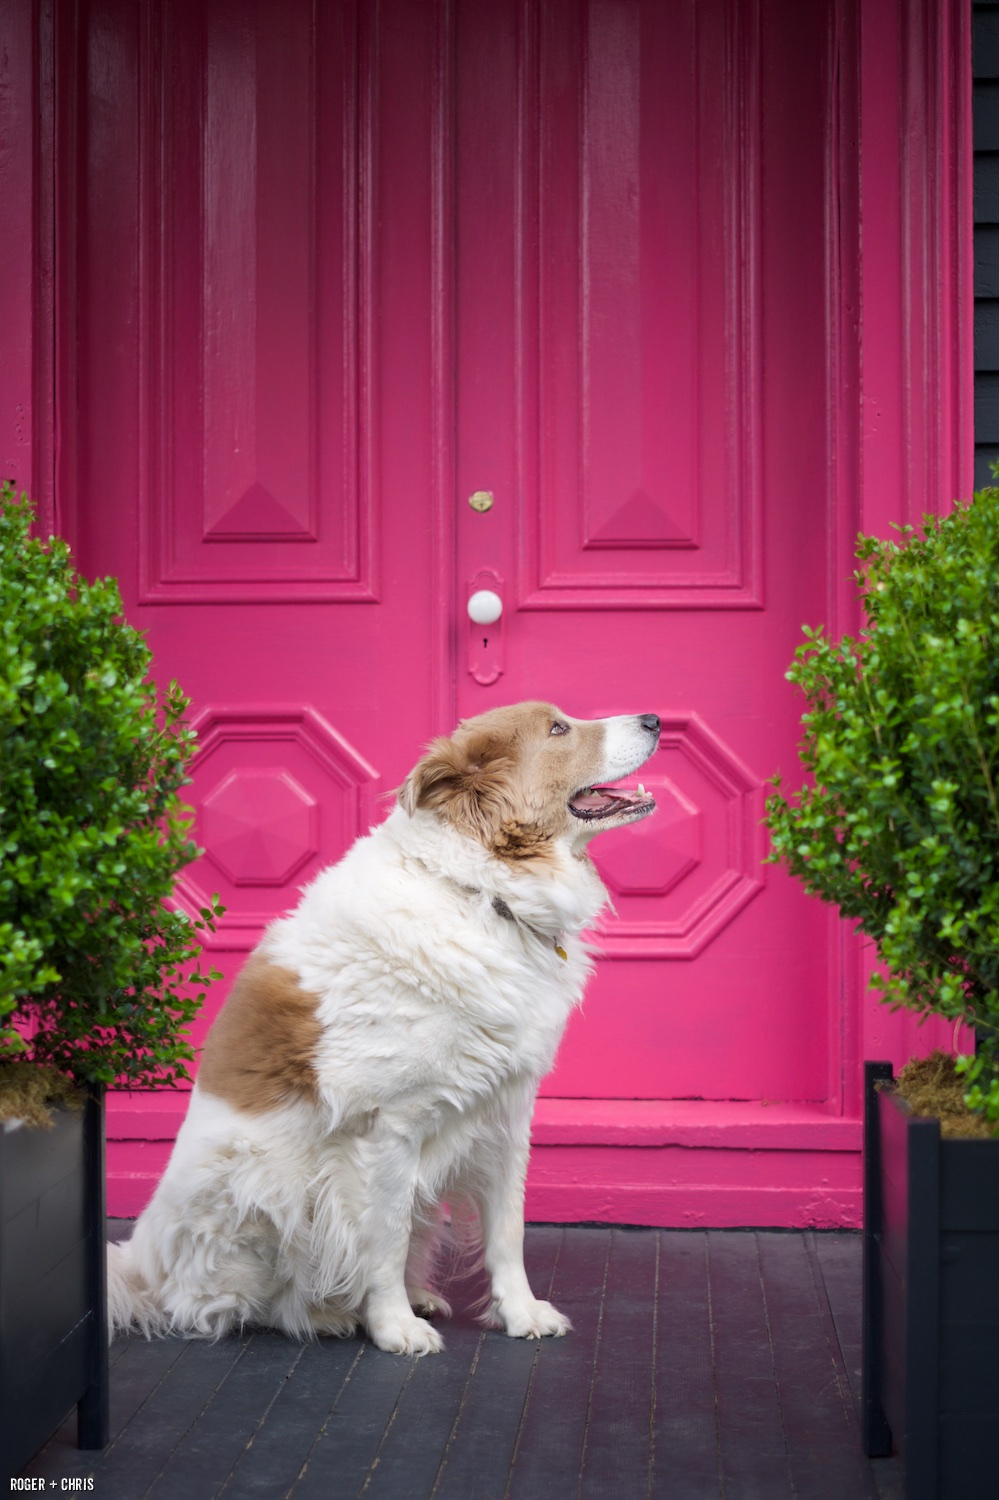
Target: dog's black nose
649, 721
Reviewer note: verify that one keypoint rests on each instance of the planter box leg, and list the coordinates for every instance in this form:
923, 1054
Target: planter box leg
93, 1410
876, 1432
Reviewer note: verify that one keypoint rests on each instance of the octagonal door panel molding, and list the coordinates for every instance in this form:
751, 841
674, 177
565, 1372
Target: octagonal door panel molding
256, 260
278, 794
261, 826
678, 878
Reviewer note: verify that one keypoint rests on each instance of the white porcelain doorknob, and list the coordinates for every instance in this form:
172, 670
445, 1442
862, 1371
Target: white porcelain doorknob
485, 607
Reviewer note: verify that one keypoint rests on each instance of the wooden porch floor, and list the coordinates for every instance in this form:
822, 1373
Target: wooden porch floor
703, 1364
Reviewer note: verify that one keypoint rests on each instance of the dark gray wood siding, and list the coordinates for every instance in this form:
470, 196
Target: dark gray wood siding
985, 58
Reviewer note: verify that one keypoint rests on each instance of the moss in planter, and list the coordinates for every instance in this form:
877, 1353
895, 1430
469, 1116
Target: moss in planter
932, 1086
28, 1092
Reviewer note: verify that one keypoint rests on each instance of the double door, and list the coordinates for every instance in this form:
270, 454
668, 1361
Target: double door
382, 304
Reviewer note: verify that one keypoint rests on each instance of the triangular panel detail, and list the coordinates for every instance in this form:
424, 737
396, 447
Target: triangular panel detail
257, 516
640, 520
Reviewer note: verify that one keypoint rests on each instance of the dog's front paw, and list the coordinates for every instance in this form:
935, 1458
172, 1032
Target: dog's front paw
428, 1304
531, 1320
410, 1335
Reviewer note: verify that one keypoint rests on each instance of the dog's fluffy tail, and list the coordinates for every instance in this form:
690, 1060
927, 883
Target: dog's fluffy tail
132, 1305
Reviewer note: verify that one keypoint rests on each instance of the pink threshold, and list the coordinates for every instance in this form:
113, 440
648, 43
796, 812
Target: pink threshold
687, 1166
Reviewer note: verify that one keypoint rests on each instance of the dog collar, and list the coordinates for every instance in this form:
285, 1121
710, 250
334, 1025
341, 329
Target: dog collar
501, 909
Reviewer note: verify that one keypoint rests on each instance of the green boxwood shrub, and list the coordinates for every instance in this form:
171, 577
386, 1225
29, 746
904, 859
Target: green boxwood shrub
899, 824
98, 979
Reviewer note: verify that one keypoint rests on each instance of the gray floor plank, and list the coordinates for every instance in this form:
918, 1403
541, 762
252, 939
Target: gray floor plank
413, 1447
138, 1369
753, 1448
839, 1262
163, 1422
618, 1454
489, 1421
686, 1453
229, 1420
340, 1459
817, 1409
839, 1259
552, 1433
280, 1448
431, 1412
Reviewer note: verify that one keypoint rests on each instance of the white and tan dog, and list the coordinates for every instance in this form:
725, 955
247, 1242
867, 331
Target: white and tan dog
381, 1051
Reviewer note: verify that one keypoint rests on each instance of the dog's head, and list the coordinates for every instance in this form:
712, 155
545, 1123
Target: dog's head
520, 778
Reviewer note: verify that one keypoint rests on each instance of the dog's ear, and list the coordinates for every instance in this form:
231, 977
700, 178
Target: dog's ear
468, 780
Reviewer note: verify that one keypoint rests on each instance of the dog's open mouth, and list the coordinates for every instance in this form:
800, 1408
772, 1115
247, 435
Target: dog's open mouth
610, 801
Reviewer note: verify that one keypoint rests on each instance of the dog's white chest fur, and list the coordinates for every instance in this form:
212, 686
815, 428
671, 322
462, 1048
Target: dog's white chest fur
436, 968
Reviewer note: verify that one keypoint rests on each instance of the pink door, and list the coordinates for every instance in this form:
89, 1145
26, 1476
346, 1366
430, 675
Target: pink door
609, 288
378, 305
635, 239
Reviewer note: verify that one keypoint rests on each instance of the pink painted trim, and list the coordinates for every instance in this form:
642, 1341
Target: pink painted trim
148, 1115
679, 1187
619, 1186
619, 1201
707, 1207
679, 1163
844, 334
27, 164
917, 441
703, 1124
145, 1115
444, 482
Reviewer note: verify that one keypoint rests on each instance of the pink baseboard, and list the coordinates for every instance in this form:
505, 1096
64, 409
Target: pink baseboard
701, 1206
683, 1164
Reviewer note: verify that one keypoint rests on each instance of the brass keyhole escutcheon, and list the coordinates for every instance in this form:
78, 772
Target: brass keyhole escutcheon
481, 501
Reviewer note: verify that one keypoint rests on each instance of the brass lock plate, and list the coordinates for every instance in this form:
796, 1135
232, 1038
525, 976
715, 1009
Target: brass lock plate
481, 500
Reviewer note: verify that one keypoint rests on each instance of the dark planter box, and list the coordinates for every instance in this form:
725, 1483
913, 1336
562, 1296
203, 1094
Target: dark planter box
931, 1300
53, 1289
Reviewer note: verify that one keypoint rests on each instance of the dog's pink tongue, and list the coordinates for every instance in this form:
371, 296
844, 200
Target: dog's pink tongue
594, 800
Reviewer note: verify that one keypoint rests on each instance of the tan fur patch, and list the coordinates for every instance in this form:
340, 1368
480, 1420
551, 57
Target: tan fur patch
518, 840
259, 1053
470, 779
503, 777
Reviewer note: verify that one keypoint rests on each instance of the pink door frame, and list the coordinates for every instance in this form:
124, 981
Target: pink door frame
898, 444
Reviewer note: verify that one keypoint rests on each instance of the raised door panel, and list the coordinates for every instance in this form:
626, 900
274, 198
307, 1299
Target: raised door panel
257, 261
646, 346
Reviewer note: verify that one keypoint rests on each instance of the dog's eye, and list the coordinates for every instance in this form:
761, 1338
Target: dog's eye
558, 728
